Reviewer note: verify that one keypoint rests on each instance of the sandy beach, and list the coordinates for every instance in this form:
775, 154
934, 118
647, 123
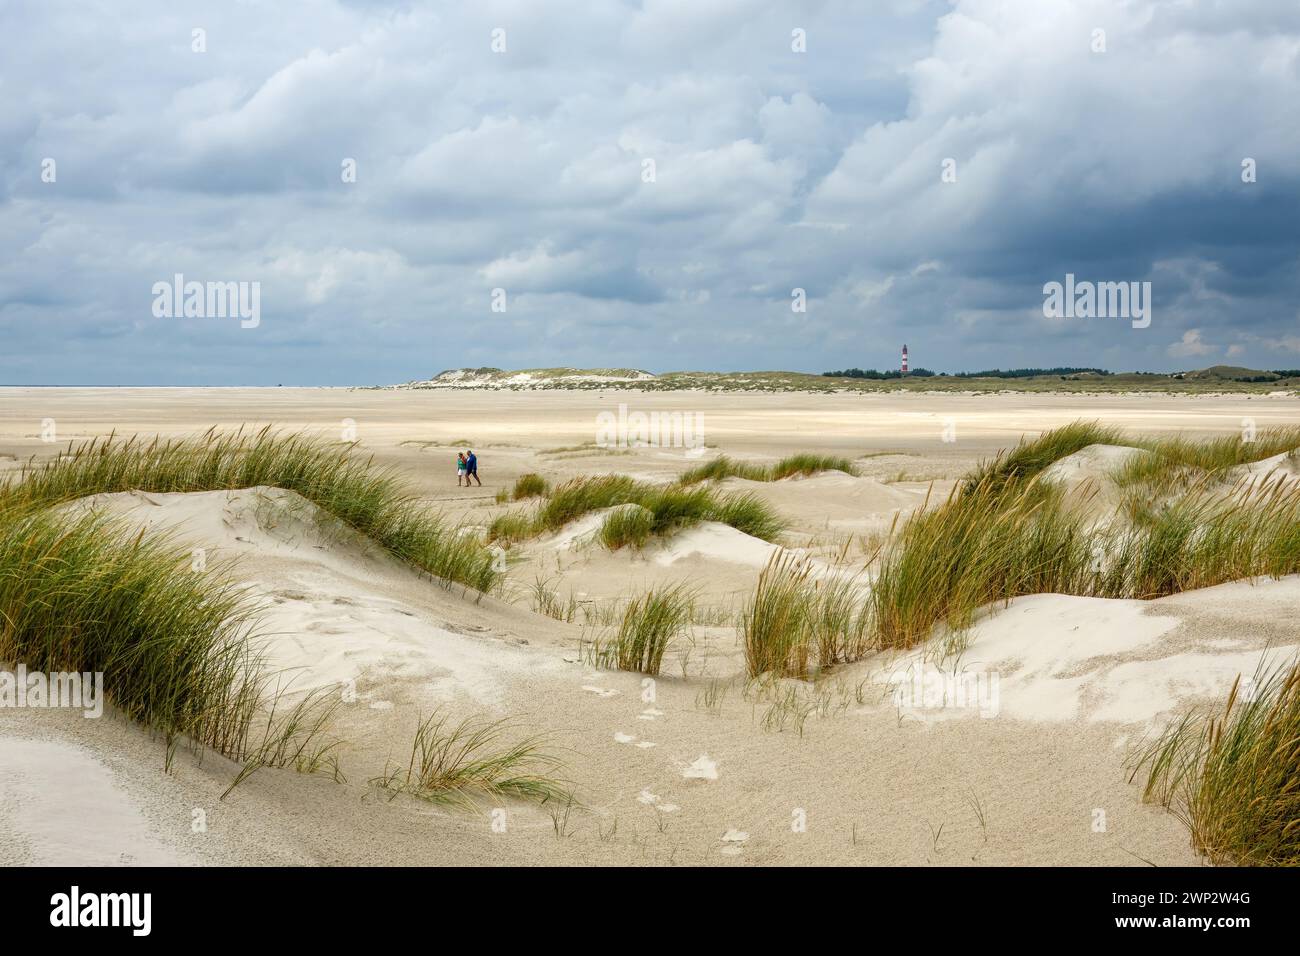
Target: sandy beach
696, 766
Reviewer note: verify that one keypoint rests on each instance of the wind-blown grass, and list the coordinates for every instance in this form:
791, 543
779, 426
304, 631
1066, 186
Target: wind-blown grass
670, 508
77, 594
1234, 779
630, 525
987, 542
795, 621
774, 626
804, 463
1207, 537
1003, 534
1175, 463
1031, 456
368, 498
650, 623
453, 764
531, 485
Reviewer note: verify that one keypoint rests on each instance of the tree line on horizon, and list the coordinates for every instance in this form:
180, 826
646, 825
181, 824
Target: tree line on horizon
871, 373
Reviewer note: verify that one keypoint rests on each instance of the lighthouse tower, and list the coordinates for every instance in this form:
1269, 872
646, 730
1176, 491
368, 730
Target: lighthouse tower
904, 368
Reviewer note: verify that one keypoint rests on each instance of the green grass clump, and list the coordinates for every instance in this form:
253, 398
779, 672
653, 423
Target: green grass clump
799, 464
749, 514
1005, 534
795, 621
1175, 464
1234, 779
809, 464
629, 525
649, 625
453, 764
531, 485
774, 626
670, 508
1032, 456
839, 621
722, 467
987, 542
581, 496
1205, 537
78, 594
369, 499
511, 527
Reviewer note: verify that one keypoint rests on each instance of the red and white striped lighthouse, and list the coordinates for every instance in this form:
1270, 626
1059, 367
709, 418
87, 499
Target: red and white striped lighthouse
904, 369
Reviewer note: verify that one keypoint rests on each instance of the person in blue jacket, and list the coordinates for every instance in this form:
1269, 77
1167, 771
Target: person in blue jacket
471, 468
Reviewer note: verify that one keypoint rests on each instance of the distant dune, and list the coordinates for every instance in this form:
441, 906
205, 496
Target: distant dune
1217, 379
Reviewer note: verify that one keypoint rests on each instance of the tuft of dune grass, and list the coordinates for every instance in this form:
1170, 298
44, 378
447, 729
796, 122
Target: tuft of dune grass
1003, 534
628, 526
531, 485
987, 542
1031, 456
78, 594
804, 463
650, 623
669, 508
455, 763
794, 622
1232, 778
1175, 464
368, 498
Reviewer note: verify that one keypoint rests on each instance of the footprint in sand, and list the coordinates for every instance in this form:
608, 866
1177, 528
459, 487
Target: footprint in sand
702, 769
654, 800
623, 738
649, 713
735, 842
599, 691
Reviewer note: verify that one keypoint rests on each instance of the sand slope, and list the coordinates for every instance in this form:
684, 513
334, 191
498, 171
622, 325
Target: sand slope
673, 779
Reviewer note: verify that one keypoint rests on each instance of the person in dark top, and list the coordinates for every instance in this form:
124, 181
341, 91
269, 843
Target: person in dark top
471, 468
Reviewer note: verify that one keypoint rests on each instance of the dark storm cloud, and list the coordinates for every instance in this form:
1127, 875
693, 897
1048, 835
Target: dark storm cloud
527, 170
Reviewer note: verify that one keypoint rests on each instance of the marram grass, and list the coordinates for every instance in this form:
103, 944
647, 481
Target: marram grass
669, 508
458, 763
77, 593
796, 622
803, 463
1234, 778
351, 487
1004, 533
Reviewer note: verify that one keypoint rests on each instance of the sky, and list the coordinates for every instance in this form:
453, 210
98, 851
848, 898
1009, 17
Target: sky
663, 185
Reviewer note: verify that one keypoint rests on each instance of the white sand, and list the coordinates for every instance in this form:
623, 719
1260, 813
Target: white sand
60, 806
666, 775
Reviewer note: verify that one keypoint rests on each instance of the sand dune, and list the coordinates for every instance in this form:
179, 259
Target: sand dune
665, 775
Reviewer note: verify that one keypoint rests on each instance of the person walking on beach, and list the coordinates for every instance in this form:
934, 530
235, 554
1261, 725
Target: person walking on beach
471, 468
461, 466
